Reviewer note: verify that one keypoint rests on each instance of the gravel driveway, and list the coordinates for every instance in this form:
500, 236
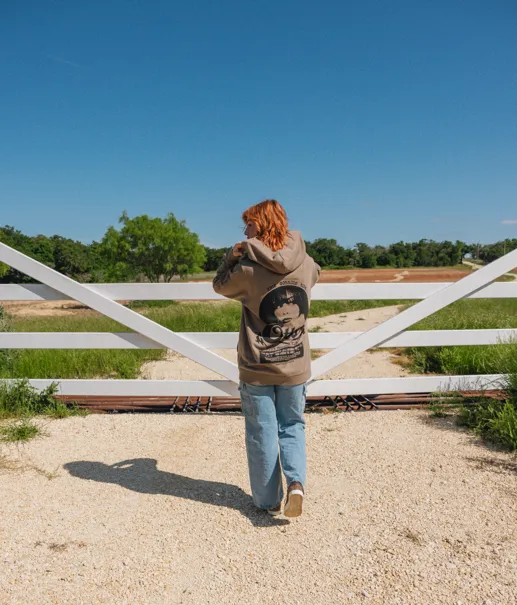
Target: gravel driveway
155, 509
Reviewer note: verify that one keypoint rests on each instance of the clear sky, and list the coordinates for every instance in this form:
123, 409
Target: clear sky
371, 120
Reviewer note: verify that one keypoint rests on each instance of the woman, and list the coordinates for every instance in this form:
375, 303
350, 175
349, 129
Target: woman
271, 275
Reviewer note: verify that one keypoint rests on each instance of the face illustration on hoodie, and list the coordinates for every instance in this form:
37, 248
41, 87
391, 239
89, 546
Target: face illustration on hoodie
284, 310
287, 312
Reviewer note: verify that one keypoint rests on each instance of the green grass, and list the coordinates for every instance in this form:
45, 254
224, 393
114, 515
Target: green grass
109, 363
64, 363
321, 308
21, 430
206, 276
141, 305
20, 400
473, 314
114, 363
71, 363
225, 317
20, 403
199, 317
492, 419
495, 421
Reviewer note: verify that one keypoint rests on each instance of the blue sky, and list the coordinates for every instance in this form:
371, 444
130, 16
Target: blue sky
370, 121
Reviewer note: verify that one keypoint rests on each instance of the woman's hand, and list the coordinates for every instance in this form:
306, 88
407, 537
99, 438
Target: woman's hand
238, 249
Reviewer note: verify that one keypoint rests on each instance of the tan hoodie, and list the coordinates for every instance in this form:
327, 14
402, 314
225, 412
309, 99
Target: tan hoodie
275, 291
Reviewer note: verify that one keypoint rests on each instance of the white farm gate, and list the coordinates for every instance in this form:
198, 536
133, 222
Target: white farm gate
197, 346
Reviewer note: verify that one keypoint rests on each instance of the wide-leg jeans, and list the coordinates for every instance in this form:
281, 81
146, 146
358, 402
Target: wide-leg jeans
275, 439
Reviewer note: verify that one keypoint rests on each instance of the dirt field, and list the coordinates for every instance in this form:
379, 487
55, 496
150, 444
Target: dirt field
70, 307
430, 274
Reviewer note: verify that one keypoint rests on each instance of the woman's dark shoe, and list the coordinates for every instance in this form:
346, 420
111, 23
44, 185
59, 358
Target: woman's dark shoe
277, 510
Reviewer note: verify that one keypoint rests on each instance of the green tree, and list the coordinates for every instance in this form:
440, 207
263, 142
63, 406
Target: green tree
71, 258
213, 258
491, 252
42, 248
4, 269
327, 252
15, 239
367, 256
403, 253
158, 248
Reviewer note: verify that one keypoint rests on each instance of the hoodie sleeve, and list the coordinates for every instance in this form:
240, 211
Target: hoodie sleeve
231, 279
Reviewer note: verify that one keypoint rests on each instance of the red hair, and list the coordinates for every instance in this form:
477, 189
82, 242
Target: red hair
271, 221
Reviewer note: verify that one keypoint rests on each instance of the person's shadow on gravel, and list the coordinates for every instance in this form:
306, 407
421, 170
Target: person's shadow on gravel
141, 475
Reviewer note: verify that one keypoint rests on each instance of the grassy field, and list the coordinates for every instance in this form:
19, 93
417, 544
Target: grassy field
493, 420
95, 363
462, 315
225, 317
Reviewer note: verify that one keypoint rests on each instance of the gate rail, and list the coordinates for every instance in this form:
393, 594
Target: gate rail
197, 346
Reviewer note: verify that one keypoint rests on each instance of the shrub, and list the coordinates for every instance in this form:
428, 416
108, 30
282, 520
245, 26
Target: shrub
494, 420
22, 430
19, 399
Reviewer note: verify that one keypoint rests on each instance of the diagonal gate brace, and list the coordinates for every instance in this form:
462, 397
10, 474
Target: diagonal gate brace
118, 312
394, 326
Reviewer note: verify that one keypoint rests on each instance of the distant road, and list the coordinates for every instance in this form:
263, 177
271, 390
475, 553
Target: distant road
475, 266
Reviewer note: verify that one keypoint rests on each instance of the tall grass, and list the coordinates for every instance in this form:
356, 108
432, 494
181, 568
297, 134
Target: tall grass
199, 317
473, 314
72, 363
20, 403
495, 421
21, 430
21, 400
321, 308
231, 311
6, 325
222, 316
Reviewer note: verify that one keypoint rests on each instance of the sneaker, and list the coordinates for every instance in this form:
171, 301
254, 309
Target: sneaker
277, 510
294, 500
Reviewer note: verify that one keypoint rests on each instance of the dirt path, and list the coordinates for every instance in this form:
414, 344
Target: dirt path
475, 266
155, 509
370, 364
398, 277
376, 364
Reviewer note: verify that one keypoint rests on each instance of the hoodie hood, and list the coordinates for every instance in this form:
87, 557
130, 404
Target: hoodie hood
282, 261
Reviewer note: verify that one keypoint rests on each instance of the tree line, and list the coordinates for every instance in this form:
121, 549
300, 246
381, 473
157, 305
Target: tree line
424, 253
142, 248
161, 249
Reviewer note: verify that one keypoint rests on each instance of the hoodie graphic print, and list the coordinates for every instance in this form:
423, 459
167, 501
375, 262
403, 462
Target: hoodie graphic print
274, 289
284, 311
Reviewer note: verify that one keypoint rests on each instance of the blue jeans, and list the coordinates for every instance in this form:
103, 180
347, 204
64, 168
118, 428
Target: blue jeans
274, 421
